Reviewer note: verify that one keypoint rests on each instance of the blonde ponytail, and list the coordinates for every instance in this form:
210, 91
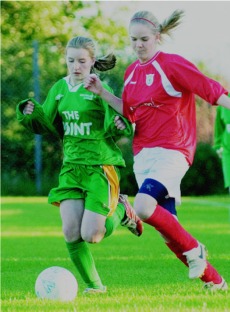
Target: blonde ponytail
171, 22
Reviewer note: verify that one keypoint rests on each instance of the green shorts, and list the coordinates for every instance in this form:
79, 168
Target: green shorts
97, 185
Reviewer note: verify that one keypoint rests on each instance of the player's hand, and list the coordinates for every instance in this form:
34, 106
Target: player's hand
119, 123
29, 108
220, 152
93, 84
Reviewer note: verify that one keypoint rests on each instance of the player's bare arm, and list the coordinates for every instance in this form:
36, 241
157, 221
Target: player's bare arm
93, 84
224, 101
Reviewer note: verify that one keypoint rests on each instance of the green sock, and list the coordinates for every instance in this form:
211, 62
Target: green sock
83, 260
112, 222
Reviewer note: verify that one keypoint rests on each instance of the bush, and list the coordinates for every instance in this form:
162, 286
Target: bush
205, 176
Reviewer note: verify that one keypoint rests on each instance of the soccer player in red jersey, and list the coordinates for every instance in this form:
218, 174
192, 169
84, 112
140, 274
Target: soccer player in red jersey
159, 98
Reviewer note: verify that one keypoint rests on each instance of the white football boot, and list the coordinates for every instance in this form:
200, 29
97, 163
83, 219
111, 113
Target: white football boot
196, 259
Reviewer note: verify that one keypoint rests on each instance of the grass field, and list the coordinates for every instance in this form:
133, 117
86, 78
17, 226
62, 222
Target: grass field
141, 274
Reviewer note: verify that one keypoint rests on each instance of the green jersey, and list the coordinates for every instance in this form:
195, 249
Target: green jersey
222, 140
222, 129
83, 120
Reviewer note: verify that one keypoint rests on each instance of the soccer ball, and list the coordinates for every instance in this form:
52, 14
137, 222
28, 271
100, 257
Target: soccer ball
56, 283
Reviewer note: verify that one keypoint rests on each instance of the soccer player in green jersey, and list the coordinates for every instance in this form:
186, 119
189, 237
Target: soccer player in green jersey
88, 192
222, 141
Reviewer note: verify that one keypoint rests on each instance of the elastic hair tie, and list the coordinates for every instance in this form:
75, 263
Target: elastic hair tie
144, 19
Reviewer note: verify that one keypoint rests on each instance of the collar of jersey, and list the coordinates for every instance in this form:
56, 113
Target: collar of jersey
70, 87
151, 60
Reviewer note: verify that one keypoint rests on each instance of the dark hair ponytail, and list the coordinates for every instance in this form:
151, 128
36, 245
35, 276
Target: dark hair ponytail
106, 62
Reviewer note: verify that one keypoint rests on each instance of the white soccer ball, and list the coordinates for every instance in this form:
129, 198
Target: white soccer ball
56, 283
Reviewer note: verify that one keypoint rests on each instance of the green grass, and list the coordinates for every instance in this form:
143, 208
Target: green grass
141, 274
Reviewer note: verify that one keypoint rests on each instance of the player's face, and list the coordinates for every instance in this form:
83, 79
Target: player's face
79, 63
143, 41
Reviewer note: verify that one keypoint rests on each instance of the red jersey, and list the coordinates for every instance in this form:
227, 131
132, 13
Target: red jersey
159, 97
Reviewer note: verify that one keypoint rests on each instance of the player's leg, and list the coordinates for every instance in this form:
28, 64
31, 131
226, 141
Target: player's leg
169, 204
212, 279
70, 197
93, 226
168, 226
121, 211
108, 208
102, 214
159, 173
71, 214
178, 240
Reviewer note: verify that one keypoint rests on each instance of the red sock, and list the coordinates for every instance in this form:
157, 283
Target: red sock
170, 228
211, 275
177, 252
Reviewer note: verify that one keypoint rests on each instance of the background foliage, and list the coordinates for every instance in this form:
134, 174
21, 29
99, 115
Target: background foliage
23, 23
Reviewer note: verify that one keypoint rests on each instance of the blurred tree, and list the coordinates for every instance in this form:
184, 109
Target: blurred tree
52, 24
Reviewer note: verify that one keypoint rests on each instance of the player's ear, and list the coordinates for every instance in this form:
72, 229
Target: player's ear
93, 61
92, 66
158, 37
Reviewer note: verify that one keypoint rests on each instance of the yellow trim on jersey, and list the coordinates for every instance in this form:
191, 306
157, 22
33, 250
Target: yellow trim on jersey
114, 188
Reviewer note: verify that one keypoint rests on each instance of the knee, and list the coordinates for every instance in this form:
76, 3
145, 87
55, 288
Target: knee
92, 236
144, 205
150, 194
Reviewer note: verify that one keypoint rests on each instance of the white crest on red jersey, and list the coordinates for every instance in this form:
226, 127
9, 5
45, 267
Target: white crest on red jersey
149, 79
